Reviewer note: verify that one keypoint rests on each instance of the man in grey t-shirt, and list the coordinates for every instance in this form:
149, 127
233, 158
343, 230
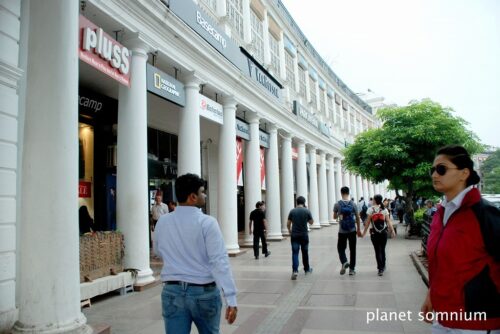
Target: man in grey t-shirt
349, 227
298, 219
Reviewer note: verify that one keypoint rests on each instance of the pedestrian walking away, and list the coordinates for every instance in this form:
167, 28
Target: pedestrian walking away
259, 230
298, 219
463, 250
349, 229
195, 264
381, 227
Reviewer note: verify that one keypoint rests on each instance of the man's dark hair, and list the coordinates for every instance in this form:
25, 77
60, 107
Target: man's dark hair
259, 204
344, 190
301, 200
186, 185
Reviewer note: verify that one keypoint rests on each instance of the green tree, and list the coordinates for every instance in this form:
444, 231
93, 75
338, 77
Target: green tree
403, 149
491, 173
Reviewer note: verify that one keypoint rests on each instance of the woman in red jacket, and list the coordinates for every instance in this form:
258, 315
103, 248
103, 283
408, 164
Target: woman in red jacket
464, 265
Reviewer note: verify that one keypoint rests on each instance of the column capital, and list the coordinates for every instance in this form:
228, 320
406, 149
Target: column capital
286, 136
229, 101
252, 117
137, 44
312, 149
191, 80
300, 141
272, 128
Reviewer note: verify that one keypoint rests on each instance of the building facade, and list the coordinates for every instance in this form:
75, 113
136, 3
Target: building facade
119, 97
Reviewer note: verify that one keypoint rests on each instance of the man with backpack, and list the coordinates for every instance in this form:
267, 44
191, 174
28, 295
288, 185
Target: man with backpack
346, 211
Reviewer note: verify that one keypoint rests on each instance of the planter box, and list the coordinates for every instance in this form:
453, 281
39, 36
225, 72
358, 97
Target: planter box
101, 254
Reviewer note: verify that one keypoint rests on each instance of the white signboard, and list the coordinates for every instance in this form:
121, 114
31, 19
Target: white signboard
210, 109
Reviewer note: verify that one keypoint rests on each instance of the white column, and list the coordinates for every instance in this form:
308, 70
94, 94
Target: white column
313, 188
132, 207
227, 206
323, 191
286, 180
189, 150
48, 285
359, 188
338, 177
354, 193
273, 186
13, 93
252, 173
302, 170
365, 190
345, 179
332, 195
374, 191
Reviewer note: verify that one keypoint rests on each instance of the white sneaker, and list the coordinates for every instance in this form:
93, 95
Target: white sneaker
344, 268
294, 275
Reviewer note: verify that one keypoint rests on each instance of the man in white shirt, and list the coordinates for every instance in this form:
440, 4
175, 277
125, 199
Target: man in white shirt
195, 264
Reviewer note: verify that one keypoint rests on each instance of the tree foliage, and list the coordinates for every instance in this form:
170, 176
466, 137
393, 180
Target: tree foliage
491, 173
403, 149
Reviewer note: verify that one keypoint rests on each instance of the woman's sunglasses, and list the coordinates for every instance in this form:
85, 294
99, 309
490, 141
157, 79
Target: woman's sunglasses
440, 169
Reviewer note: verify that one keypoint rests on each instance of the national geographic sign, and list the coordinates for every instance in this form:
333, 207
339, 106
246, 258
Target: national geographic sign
164, 86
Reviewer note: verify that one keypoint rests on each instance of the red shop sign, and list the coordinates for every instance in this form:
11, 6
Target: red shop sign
102, 52
84, 189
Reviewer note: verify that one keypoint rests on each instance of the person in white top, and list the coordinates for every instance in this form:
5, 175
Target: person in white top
379, 219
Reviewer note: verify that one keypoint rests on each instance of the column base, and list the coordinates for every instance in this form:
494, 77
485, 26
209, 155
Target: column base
285, 233
8, 319
324, 223
144, 277
275, 237
315, 227
332, 222
78, 326
236, 252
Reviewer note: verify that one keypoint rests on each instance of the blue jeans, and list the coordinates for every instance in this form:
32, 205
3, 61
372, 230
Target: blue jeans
182, 305
300, 243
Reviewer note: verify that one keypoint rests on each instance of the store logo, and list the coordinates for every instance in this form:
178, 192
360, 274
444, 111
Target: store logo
102, 52
262, 79
165, 85
210, 29
108, 49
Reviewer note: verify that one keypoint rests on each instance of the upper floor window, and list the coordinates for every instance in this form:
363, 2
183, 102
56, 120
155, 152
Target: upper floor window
235, 16
257, 37
330, 110
337, 114
351, 117
212, 4
302, 82
290, 70
312, 92
322, 101
274, 47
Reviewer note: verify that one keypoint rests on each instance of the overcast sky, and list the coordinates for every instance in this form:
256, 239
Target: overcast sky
446, 50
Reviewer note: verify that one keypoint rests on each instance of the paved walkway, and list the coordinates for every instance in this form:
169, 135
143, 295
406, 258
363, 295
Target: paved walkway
324, 302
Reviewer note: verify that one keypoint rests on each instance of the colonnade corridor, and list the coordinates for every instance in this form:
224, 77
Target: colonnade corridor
320, 303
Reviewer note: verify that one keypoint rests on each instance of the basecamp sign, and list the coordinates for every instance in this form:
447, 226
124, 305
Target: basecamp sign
164, 86
210, 109
102, 52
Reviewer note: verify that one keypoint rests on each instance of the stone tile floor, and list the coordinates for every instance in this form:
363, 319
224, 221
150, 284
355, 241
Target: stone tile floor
269, 302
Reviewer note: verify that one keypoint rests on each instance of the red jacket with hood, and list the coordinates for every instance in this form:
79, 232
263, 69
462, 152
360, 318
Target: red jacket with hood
463, 277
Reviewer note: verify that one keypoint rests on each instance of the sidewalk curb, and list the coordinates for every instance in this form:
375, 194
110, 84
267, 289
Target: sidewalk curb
420, 268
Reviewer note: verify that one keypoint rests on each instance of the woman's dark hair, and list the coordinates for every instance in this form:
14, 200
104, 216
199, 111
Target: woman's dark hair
378, 200
459, 156
186, 185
